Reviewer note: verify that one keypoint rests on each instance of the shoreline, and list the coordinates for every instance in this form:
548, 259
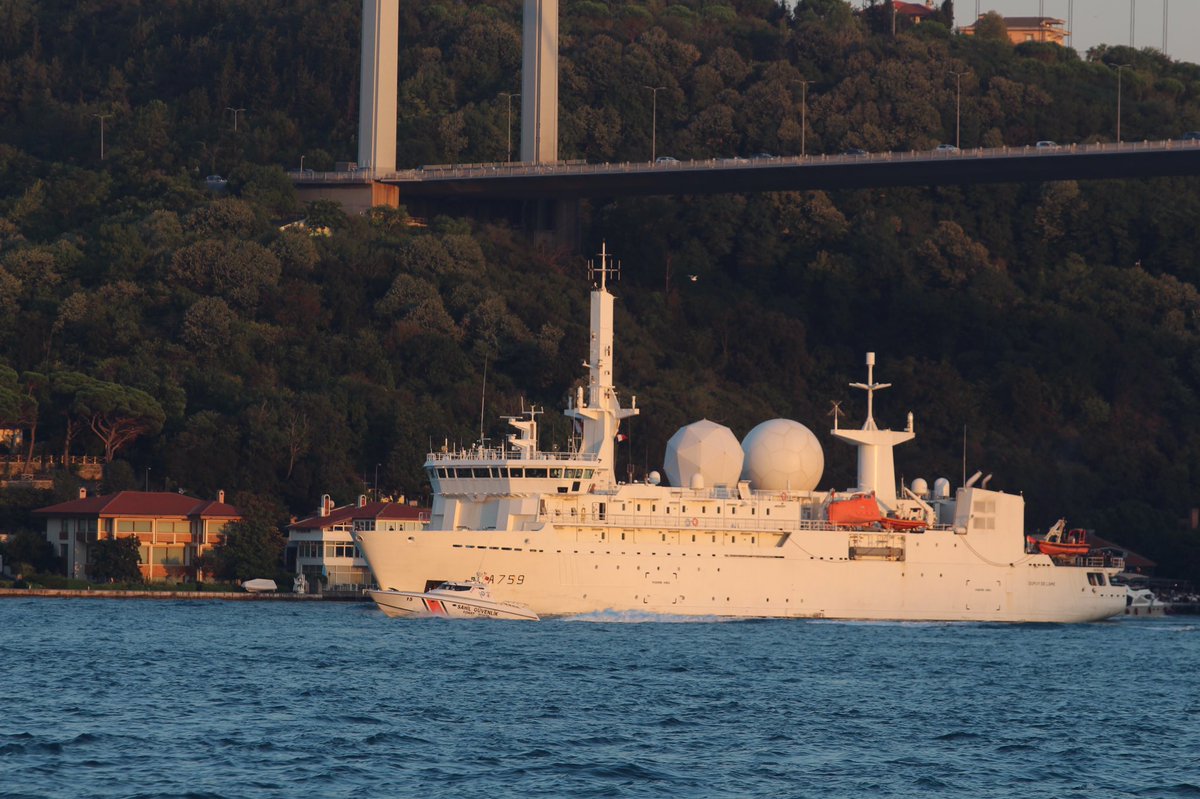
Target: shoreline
102, 593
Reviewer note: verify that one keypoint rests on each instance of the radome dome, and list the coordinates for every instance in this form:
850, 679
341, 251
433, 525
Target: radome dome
782, 455
705, 448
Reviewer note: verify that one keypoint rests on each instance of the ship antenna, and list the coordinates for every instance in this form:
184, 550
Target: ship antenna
483, 397
836, 412
606, 266
870, 387
964, 464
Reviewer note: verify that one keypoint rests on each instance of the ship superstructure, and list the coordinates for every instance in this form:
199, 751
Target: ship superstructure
741, 530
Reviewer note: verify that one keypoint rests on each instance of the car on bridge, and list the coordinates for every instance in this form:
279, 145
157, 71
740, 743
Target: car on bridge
856, 151
1191, 135
1046, 144
666, 159
946, 148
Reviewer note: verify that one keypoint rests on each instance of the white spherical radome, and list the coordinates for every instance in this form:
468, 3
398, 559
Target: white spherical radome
782, 455
705, 448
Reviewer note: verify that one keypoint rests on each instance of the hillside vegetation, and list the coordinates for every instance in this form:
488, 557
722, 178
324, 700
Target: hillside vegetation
147, 320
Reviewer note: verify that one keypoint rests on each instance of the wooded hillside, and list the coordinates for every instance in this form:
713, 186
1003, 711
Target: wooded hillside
1056, 322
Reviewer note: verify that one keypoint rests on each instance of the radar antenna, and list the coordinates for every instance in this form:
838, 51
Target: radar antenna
870, 387
608, 267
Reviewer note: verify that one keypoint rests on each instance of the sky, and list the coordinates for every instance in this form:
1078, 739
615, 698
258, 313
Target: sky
1108, 21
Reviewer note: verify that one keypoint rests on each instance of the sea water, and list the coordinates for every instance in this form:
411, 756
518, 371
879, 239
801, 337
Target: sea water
141, 698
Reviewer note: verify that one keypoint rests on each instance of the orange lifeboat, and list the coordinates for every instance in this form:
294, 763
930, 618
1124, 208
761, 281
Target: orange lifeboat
854, 512
1057, 543
863, 511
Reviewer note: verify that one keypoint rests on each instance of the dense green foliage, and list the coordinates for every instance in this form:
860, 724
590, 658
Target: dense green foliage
26, 553
146, 318
115, 560
249, 550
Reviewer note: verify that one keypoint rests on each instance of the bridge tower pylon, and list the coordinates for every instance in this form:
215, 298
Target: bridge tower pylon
378, 86
539, 82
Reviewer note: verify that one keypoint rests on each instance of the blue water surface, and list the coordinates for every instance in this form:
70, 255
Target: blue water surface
207, 699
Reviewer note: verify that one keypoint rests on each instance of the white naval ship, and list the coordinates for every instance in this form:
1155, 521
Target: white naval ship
740, 531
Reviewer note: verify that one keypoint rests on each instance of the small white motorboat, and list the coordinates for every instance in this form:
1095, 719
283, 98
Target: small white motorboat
1143, 602
469, 599
260, 585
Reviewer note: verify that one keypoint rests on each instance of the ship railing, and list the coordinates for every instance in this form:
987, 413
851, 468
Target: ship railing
493, 454
685, 521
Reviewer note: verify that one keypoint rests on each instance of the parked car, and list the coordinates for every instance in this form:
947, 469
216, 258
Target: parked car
946, 148
1046, 144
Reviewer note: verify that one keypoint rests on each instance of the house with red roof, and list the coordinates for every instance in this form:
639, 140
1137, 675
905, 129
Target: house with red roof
915, 11
172, 530
323, 549
1029, 29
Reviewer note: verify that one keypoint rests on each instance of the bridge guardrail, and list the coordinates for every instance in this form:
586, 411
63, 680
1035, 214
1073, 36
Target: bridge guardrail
441, 172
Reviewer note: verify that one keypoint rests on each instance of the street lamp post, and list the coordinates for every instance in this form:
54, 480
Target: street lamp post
101, 117
377, 482
510, 96
235, 111
1164, 47
654, 90
958, 107
1119, 68
804, 115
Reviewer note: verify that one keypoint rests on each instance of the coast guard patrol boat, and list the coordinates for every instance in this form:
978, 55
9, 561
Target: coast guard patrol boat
740, 531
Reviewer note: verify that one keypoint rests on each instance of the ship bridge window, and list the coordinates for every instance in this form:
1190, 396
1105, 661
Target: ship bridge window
535, 472
441, 472
575, 474
556, 473
587, 474
480, 472
516, 472
1096, 578
501, 472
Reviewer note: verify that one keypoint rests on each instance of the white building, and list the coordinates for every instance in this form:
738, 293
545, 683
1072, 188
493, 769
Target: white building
323, 544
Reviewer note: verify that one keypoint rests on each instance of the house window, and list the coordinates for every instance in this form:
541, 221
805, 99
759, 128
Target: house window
129, 526
171, 556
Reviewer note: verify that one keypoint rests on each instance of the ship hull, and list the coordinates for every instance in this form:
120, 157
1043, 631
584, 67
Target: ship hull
933, 576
